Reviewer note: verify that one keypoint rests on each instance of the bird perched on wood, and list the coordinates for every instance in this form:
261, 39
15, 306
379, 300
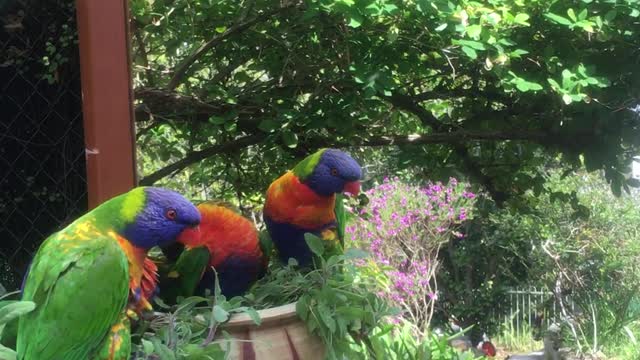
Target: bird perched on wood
228, 242
303, 200
83, 277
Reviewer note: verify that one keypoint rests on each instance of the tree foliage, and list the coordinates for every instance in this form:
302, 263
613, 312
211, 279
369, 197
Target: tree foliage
236, 90
583, 247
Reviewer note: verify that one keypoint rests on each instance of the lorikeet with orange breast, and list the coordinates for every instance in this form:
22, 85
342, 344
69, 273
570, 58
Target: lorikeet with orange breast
228, 242
303, 200
84, 278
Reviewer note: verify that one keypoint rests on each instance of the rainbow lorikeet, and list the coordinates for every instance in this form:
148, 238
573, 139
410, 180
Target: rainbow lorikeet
81, 277
303, 200
228, 242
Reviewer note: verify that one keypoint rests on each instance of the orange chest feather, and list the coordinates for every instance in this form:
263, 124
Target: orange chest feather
226, 232
289, 201
136, 258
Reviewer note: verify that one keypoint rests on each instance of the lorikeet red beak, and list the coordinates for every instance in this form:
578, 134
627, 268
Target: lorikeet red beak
352, 187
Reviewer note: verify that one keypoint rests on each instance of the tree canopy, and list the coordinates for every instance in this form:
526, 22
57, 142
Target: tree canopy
237, 90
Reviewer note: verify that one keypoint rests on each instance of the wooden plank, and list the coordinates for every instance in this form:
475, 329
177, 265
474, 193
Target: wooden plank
106, 98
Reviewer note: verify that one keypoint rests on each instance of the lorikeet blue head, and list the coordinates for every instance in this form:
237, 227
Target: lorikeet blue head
330, 171
156, 216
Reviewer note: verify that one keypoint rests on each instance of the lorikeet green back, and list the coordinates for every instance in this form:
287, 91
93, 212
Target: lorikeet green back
82, 277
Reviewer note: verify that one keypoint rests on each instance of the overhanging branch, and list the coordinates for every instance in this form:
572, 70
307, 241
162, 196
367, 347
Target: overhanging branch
200, 155
458, 137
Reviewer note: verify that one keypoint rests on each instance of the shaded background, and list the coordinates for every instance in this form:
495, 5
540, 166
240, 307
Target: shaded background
42, 165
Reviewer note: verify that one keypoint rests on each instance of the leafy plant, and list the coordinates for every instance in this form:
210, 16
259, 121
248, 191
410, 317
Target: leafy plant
10, 311
188, 329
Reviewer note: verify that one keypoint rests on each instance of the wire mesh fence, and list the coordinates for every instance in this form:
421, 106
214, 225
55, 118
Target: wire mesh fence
42, 164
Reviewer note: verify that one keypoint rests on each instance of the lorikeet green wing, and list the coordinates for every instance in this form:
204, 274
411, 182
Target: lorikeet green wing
70, 322
341, 218
182, 278
117, 344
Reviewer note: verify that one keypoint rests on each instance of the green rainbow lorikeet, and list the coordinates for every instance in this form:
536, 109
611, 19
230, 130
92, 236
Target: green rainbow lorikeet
85, 278
303, 200
228, 242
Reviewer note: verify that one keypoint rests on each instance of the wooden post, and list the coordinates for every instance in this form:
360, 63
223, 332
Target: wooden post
106, 98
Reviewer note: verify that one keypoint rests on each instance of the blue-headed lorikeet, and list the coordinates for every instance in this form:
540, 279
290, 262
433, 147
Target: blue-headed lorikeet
303, 200
228, 242
81, 277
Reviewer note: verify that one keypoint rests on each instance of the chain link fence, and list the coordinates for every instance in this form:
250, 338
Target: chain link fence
42, 164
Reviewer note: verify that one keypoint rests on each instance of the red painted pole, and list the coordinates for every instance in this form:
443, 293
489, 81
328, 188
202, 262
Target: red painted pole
106, 97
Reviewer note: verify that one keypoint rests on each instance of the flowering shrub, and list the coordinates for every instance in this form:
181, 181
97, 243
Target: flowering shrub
403, 227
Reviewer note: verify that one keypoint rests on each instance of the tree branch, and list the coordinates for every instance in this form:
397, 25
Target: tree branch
457, 137
200, 155
411, 104
184, 66
407, 103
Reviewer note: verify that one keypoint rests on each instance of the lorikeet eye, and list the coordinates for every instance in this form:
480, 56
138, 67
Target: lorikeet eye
171, 214
334, 172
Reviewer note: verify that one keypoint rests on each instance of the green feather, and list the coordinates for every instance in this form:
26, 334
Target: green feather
306, 166
182, 278
266, 244
341, 218
80, 288
117, 345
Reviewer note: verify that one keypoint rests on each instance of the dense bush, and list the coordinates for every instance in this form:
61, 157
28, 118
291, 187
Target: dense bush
576, 239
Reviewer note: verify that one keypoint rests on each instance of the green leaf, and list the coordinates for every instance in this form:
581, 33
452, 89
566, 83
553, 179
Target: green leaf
554, 84
326, 316
14, 310
289, 138
522, 19
558, 19
302, 308
572, 15
355, 19
219, 314
524, 85
583, 14
474, 31
518, 52
217, 120
254, 315
221, 29
567, 99
441, 27
147, 347
268, 125
162, 350
610, 15
7, 354
472, 44
470, 52
315, 243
